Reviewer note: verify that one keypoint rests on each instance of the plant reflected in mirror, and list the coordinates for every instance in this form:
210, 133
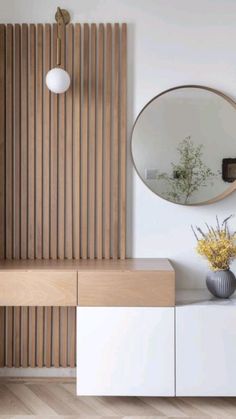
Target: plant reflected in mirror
189, 174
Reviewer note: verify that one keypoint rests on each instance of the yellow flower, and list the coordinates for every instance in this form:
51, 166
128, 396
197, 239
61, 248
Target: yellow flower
218, 247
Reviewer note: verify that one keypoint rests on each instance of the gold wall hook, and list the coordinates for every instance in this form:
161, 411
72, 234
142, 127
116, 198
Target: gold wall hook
62, 16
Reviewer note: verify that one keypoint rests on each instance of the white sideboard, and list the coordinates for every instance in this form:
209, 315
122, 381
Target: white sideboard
205, 345
186, 350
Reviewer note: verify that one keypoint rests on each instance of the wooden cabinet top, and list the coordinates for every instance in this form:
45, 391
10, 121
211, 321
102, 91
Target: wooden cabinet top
88, 265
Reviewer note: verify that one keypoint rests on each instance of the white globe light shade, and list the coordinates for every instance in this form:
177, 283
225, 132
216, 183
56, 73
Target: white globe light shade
58, 80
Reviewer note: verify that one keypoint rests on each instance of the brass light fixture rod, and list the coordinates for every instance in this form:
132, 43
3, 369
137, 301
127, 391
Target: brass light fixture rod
62, 17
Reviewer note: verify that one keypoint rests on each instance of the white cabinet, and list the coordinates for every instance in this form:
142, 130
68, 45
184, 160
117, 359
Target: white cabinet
206, 348
125, 351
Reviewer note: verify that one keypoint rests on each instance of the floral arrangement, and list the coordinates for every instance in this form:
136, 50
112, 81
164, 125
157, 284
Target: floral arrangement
217, 245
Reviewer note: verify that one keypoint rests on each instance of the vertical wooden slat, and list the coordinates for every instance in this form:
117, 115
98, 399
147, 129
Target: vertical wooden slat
46, 142
69, 138
92, 138
32, 336
99, 145
76, 141
2, 334
71, 336
56, 337
9, 141
24, 139
84, 144
40, 335
48, 336
53, 161
2, 138
24, 336
39, 144
123, 135
9, 337
115, 188
17, 118
17, 337
107, 145
63, 336
61, 160
31, 144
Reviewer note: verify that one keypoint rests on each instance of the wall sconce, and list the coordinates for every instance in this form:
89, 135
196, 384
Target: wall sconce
57, 79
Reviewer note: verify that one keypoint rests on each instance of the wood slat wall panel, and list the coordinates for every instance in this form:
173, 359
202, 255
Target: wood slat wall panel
61, 160
99, 144
53, 159
39, 145
9, 141
46, 145
115, 150
2, 138
69, 145
31, 150
17, 138
24, 142
76, 187
62, 169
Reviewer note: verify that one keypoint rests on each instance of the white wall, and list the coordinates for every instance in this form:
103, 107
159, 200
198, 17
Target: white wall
170, 43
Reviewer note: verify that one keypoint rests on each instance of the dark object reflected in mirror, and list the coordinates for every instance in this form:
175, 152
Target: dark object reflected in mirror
179, 141
229, 170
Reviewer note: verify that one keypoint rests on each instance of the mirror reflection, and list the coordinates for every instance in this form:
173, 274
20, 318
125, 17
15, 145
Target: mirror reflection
184, 145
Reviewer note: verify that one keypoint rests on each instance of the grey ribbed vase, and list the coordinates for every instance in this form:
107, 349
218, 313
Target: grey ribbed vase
221, 284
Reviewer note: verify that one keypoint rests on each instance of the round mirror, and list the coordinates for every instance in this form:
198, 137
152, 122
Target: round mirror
184, 145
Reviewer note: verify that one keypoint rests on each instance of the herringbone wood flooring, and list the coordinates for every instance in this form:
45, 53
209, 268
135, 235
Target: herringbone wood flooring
44, 399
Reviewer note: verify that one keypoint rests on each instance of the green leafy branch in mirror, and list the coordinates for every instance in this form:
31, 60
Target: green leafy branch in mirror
189, 175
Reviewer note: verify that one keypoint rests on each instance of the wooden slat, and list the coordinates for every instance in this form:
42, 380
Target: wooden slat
53, 161
2, 138
56, 337
17, 337
76, 141
115, 187
99, 145
2, 337
9, 141
24, 139
31, 143
46, 144
123, 140
48, 337
92, 139
107, 145
39, 144
40, 337
61, 159
69, 144
63, 336
84, 145
32, 336
17, 118
9, 337
71, 336
24, 336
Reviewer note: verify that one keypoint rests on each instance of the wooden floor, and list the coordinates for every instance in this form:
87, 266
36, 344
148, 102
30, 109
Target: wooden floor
42, 400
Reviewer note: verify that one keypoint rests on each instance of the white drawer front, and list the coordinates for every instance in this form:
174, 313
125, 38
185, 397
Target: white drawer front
125, 351
205, 351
